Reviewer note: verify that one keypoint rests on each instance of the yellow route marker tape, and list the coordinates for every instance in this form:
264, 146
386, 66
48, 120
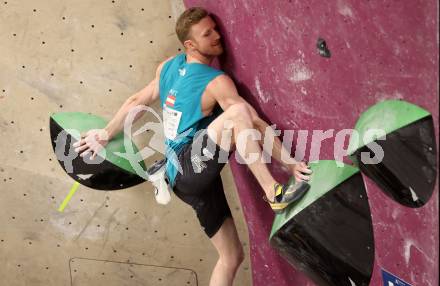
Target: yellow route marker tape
69, 196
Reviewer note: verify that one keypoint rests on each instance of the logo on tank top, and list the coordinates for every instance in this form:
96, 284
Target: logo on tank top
171, 98
182, 72
171, 117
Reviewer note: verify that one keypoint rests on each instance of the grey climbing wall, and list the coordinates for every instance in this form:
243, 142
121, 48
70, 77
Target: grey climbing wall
88, 56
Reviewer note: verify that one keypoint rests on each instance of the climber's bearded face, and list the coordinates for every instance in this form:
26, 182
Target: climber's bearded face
205, 39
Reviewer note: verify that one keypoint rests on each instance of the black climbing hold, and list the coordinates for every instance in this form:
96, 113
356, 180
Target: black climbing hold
329, 234
113, 173
323, 50
408, 170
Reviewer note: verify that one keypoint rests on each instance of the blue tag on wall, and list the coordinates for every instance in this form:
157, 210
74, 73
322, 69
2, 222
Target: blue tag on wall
391, 280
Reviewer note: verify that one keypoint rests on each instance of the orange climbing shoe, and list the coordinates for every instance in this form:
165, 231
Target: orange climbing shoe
287, 194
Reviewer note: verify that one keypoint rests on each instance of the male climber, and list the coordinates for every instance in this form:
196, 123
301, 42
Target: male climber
203, 118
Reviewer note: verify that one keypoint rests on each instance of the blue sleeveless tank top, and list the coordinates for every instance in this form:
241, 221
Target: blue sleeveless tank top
181, 86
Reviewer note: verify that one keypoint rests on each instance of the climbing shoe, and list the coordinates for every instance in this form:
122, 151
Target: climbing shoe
287, 194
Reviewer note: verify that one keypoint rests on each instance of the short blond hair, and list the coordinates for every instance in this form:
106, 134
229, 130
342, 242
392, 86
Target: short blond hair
189, 18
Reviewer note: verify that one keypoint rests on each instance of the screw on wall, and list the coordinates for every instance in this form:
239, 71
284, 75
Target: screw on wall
323, 50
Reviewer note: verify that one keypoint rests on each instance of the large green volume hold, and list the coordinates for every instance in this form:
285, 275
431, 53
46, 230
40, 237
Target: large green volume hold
328, 235
113, 173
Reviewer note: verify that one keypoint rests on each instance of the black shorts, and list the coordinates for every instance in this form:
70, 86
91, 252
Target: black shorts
200, 184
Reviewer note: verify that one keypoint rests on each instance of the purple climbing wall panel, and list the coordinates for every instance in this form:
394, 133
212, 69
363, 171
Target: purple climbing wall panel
379, 50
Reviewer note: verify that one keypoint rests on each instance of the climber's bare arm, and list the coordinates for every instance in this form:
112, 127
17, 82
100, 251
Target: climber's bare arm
94, 140
145, 96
